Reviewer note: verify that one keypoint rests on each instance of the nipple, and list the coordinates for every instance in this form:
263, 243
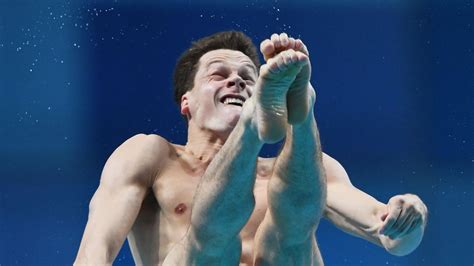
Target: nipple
180, 209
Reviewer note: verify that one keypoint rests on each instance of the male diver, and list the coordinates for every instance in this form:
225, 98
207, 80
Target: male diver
213, 201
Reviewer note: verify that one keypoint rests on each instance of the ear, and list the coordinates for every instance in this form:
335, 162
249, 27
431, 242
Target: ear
185, 104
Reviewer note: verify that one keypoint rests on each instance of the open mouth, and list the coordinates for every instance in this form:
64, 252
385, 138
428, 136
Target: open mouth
233, 100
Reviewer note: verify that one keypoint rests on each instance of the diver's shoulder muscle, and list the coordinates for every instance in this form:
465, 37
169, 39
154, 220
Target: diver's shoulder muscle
137, 160
335, 172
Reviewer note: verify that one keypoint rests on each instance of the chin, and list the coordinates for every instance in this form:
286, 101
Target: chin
228, 124
233, 120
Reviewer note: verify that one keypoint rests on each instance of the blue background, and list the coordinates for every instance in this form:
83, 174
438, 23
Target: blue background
395, 106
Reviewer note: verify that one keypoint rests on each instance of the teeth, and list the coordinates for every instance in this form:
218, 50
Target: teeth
233, 100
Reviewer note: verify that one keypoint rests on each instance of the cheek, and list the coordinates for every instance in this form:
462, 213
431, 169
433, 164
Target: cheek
250, 89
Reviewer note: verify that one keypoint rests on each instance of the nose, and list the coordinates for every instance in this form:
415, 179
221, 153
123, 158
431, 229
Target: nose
236, 81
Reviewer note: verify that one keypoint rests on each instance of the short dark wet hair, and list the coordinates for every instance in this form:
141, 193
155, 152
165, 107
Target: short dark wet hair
188, 63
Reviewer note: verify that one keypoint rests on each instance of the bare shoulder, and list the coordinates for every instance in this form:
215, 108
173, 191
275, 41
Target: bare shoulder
335, 172
138, 159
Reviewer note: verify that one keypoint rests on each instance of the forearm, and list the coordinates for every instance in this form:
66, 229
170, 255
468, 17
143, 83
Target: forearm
297, 190
359, 214
224, 199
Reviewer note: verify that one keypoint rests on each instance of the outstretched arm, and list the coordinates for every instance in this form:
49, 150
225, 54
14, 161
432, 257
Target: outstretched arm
397, 226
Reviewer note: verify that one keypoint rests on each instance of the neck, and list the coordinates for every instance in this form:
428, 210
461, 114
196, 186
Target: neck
204, 144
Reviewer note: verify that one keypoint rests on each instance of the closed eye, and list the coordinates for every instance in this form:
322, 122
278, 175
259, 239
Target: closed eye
248, 79
217, 76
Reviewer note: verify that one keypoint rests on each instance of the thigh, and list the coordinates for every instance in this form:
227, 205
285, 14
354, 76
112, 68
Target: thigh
272, 249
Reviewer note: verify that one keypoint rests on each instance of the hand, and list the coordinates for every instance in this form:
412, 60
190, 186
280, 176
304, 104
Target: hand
405, 214
281, 42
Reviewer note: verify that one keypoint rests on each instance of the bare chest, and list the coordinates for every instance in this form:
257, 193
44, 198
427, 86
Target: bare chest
175, 190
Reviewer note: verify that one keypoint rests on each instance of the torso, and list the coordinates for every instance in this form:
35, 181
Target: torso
165, 214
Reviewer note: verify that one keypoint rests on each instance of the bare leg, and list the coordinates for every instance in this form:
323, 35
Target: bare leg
224, 198
296, 199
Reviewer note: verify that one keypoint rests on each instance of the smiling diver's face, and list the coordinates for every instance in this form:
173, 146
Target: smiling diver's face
223, 82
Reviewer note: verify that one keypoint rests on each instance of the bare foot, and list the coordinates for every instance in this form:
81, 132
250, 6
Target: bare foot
300, 96
276, 77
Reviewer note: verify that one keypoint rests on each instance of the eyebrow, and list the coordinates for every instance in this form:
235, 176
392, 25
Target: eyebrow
218, 61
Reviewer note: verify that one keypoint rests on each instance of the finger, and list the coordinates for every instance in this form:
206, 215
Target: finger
390, 220
418, 223
276, 41
402, 227
284, 40
267, 48
397, 227
409, 228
